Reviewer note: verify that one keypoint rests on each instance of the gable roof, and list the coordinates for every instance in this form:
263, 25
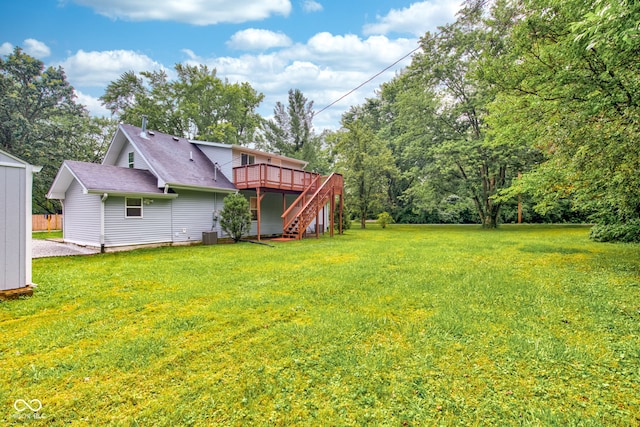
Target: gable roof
175, 161
100, 179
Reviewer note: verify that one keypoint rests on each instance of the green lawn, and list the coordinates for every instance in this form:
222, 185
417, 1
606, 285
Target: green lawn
42, 235
410, 325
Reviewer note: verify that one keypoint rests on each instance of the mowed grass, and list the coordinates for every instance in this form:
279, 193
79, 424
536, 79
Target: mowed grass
410, 325
43, 235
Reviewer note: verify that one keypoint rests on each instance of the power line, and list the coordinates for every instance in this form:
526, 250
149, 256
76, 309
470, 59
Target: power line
368, 81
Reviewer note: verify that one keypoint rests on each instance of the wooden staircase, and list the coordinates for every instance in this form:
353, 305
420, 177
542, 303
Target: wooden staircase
308, 205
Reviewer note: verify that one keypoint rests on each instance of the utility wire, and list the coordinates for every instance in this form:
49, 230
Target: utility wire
368, 81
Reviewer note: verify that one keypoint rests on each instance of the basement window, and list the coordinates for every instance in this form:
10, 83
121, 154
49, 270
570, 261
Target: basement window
133, 207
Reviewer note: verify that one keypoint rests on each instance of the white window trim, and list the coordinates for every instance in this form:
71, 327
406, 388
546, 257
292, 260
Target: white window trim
131, 159
251, 159
252, 210
126, 207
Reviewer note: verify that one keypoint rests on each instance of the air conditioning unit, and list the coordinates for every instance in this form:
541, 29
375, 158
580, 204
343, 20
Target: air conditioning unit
209, 237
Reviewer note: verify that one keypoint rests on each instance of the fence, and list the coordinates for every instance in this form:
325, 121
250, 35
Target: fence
46, 222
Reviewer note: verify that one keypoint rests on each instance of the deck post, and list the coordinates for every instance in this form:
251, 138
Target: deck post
341, 207
258, 200
332, 208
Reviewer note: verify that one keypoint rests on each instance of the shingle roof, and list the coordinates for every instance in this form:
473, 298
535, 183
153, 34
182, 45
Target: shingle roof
96, 177
175, 160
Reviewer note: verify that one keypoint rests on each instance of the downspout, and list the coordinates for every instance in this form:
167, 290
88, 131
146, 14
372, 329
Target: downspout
166, 191
103, 199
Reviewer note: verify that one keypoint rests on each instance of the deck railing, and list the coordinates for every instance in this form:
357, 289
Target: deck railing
270, 176
306, 207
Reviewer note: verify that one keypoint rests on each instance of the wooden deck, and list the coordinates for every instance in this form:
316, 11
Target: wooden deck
266, 176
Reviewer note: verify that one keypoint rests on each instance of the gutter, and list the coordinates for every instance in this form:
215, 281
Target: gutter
133, 194
199, 188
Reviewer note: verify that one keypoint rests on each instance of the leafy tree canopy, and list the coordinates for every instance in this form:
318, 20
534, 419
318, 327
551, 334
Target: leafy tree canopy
290, 133
197, 104
571, 87
41, 123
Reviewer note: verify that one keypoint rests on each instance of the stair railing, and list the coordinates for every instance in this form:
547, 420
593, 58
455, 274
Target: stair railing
290, 215
304, 209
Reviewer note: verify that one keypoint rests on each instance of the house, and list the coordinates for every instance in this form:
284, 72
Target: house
16, 178
154, 188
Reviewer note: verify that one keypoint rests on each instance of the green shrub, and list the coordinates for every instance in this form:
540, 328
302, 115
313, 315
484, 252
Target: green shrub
384, 219
629, 232
235, 217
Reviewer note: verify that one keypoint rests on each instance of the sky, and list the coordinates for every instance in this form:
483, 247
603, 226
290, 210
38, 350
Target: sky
325, 48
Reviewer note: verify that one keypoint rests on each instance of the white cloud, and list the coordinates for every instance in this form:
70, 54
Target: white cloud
93, 69
352, 52
324, 68
31, 47
416, 19
36, 48
93, 104
191, 54
256, 39
6, 48
310, 6
196, 12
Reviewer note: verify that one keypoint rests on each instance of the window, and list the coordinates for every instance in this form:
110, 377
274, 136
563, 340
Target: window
131, 162
133, 207
253, 207
248, 159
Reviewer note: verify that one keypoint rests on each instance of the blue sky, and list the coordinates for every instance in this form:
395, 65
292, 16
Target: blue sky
322, 47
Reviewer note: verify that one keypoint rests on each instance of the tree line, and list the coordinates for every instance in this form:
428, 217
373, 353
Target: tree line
529, 102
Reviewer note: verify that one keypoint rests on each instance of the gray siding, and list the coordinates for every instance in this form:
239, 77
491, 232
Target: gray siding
271, 211
6, 159
221, 155
192, 214
81, 216
123, 158
153, 227
13, 256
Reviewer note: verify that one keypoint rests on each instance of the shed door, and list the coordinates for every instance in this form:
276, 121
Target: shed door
12, 228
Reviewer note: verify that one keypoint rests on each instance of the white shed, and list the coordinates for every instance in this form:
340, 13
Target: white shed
16, 179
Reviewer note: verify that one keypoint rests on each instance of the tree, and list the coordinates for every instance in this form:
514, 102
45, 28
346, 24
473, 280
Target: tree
235, 217
570, 87
150, 94
198, 104
291, 127
440, 110
41, 122
367, 164
216, 110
